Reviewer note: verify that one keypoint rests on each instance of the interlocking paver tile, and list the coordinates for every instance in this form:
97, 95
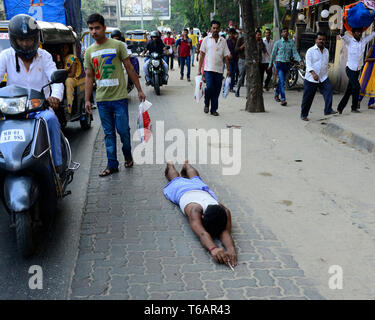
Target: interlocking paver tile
136, 245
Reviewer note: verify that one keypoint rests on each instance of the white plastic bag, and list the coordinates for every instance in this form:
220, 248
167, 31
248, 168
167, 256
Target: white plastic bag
144, 121
226, 87
199, 90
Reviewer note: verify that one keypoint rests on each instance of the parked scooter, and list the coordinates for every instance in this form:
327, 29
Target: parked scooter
156, 71
30, 185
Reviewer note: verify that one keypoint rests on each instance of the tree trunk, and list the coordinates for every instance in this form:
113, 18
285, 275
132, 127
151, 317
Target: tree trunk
293, 16
259, 23
254, 101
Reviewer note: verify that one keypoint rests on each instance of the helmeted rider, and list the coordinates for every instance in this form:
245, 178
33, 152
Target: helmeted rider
28, 66
116, 34
155, 45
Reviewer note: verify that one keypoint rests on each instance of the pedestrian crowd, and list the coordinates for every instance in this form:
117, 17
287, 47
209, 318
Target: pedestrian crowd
214, 52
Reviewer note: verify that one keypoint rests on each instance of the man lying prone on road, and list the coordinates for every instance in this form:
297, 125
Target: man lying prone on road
208, 218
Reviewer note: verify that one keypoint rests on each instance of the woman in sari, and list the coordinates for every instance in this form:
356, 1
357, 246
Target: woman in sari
367, 80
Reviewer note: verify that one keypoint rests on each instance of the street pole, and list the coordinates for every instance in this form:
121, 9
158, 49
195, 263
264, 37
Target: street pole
239, 5
214, 7
118, 14
276, 19
142, 15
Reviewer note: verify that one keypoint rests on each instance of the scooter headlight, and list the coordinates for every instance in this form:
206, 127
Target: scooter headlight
13, 105
156, 63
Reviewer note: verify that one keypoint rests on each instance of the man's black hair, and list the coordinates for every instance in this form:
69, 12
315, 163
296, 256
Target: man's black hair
214, 220
232, 31
191, 28
186, 30
268, 29
96, 17
215, 22
323, 34
258, 31
285, 28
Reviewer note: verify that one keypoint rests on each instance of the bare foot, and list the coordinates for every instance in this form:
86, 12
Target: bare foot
170, 164
183, 170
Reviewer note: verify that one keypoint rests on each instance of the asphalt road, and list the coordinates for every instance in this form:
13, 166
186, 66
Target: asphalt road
56, 249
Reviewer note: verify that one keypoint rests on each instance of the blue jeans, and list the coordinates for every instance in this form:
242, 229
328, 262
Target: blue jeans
54, 134
233, 66
114, 115
214, 81
183, 61
309, 90
282, 69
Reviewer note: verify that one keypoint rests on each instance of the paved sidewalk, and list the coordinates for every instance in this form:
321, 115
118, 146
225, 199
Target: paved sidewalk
137, 245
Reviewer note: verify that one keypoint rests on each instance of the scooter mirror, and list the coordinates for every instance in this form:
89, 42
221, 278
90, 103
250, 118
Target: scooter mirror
59, 76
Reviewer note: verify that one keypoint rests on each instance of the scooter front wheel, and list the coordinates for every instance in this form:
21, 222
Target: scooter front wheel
24, 234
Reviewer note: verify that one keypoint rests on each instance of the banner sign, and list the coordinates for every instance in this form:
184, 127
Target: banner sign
41, 10
132, 10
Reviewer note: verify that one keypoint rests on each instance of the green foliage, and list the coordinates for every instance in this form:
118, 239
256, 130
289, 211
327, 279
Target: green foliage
196, 13
91, 6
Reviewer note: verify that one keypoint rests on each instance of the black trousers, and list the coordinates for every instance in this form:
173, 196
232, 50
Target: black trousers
352, 89
264, 68
309, 91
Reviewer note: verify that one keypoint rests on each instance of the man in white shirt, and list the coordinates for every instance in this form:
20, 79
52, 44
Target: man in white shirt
212, 51
317, 58
268, 42
28, 66
356, 48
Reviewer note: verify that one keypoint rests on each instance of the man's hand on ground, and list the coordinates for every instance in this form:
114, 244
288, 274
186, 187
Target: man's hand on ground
54, 102
219, 255
232, 256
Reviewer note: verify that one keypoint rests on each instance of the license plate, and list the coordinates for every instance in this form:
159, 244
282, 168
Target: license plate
12, 135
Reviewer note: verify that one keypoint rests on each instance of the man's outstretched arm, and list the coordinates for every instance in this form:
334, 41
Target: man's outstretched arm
226, 238
195, 221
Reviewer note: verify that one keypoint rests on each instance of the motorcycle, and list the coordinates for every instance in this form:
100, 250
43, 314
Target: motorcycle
296, 69
156, 71
30, 185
